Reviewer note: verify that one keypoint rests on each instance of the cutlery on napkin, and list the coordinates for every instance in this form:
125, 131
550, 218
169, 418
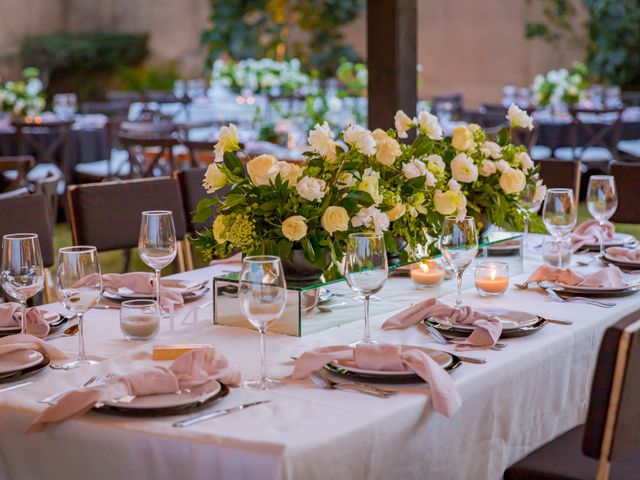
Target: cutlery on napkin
609, 277
11, 316
590, 232
386, 357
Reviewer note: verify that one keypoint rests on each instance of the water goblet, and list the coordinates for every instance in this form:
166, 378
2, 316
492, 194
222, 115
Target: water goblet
559, 215
459, 247
602, 201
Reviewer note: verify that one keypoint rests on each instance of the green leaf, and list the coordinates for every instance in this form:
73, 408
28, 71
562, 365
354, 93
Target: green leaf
233, 163
363, 198
204, 209
233, 200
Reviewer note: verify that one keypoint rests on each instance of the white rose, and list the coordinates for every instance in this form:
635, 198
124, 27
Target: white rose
446, 203
524, 160
414, 168
487, 167
429, 125
360, 138
214, 178
462, 139
263, 169
387, 148
371, 217
502, 166
396, 212
519, 118
454, 185
402, 123
435, 163
346, 180
294, 228
540, 193
512, 180
311, 188
321, 140
335, 219
289, 172
370, 183
491, 150
463, 169
227, 142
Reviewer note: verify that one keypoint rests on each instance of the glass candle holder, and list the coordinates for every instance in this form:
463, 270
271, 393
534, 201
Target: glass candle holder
551, 249
139, 319
427, 273
492, 278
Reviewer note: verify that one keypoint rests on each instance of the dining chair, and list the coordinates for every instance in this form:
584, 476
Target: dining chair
107, 215
608, 444
48, 139
627, 176
29, 213
560, 173
448, 104
48, 187
200, 152
13, 171
149, 155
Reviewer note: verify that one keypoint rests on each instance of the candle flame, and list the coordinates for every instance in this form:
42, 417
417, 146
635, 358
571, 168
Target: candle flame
424, 266
492, 275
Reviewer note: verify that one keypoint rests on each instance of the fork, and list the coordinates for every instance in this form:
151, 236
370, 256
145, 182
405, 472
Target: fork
53, 399
442, 336
439, 338
596, 303
327, 384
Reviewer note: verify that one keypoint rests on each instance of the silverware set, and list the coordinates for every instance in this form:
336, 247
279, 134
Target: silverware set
95, 379
325, 383
548, 288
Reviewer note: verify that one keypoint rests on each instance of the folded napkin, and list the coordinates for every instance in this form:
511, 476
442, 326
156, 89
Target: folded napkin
390, 358
610, 277
591, 232
485, 334
236, 258
189, 370
11, 316
624, 254
13, 343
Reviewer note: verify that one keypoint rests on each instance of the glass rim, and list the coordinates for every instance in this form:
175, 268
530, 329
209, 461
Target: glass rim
260, 259
560, 190
454, 217
139, 303
157, 212
77, 249
20, 236
366, 235
492, 263
601, 176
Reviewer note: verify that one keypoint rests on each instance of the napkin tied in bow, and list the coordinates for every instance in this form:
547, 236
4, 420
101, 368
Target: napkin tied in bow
610, 277
591, 232
13, 343
11, 316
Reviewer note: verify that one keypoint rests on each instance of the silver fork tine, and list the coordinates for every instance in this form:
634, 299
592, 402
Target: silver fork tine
437, 336
90, 381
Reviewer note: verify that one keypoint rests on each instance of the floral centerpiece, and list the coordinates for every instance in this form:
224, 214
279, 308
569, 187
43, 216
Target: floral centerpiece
364, 181
25, 97
561, 86
260, 76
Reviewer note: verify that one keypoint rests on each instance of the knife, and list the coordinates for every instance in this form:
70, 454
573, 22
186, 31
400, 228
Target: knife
13, 387
217, 413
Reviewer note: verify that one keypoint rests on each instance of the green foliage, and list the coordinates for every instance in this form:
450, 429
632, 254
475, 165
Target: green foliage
142, 78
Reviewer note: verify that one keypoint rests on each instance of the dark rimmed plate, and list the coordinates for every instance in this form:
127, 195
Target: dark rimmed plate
627, 265
449, 330
165, 411
187, 297
596, 292
618, 240
53, 326
27, 372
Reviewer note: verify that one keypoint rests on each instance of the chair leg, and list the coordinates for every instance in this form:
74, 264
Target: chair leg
180, 246
127, 260
49, 289
187, 253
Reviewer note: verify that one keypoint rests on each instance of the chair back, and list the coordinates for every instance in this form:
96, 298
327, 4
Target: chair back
190, 182
48, 186
149, 155
595, 128
630, 99
200, 152
19, 164
108, 214
448, 105
28, 214
612, 429
561, 173
48, 140
627, 176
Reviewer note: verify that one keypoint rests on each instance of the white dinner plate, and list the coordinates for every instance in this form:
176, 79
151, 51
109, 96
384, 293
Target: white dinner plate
510, 319
19, 360
443, 358
621, 263
185, 286
586, 290
49, 317
169, 400
617, 240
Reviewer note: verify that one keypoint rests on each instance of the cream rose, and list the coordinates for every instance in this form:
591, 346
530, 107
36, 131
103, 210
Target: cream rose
289, 172
414, 168
463, 169
512, 180
491, 150
487, 167
462, 139
519, 118
294, 228
219, 229
371, 217
214, 178
429, 125
453, 185
524, 160
435, 163
396, 212
227, 142
311, 188
370, 184
346, 180
335, 219
502, 166
446, 203
474, 127
360, 139
387, 148
321, 141
402, 123
540, 193
263, 169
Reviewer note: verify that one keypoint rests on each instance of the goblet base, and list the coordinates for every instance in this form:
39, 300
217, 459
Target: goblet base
364, 341
73, 364
264, 384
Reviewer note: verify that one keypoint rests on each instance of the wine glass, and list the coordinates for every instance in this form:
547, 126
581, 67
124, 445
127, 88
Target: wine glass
263, 296
366, 270
602, 201
157, 245
79, 287
21, 271
559, 215
531, 204
459, 246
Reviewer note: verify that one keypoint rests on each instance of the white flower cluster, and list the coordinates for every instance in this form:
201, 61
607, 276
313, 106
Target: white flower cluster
557, 87
260, 76
23, 97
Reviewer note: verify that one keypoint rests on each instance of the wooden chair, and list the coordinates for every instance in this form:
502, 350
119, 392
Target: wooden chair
627, 181
13, 171
107, 215
149, 155
561, 173
48, 187
451, 104
608, 444
48, 140
30, 214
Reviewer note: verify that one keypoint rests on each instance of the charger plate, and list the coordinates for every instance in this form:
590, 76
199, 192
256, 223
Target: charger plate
518, 332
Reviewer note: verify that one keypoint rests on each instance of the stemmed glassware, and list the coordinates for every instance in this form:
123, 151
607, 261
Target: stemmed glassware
459, 247
602, 201
79, 287
263, 297
157, 244
21, 271
529, 202
366, 270
559, 215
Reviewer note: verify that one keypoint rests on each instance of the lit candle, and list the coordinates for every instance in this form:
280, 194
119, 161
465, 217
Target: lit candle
426, 273
492, 278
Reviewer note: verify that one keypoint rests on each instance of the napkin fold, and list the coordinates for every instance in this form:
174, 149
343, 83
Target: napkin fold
13, 343
485, 334
624, 254
236, 258
189, 370
610, 277
591, 232
11, 316
385, 357
144, 283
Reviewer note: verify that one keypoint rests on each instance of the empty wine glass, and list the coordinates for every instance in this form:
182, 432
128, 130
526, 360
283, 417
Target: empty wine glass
459, 246
602, 201
366, 270
559, 214
79, 287
157, 245
263, 296
531, 204
21, 271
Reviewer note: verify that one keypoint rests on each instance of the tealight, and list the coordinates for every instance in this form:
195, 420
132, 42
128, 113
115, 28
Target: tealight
492, 278
427, 273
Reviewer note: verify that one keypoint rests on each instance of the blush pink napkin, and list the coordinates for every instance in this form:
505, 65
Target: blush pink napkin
189, 370
11, 316
624, 254
485, 334
13, 343
591, 232
610, 277
237, 258
390, 358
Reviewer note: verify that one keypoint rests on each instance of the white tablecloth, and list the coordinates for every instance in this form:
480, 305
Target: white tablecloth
524, 396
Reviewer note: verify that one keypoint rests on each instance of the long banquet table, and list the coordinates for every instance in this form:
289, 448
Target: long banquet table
524, 396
